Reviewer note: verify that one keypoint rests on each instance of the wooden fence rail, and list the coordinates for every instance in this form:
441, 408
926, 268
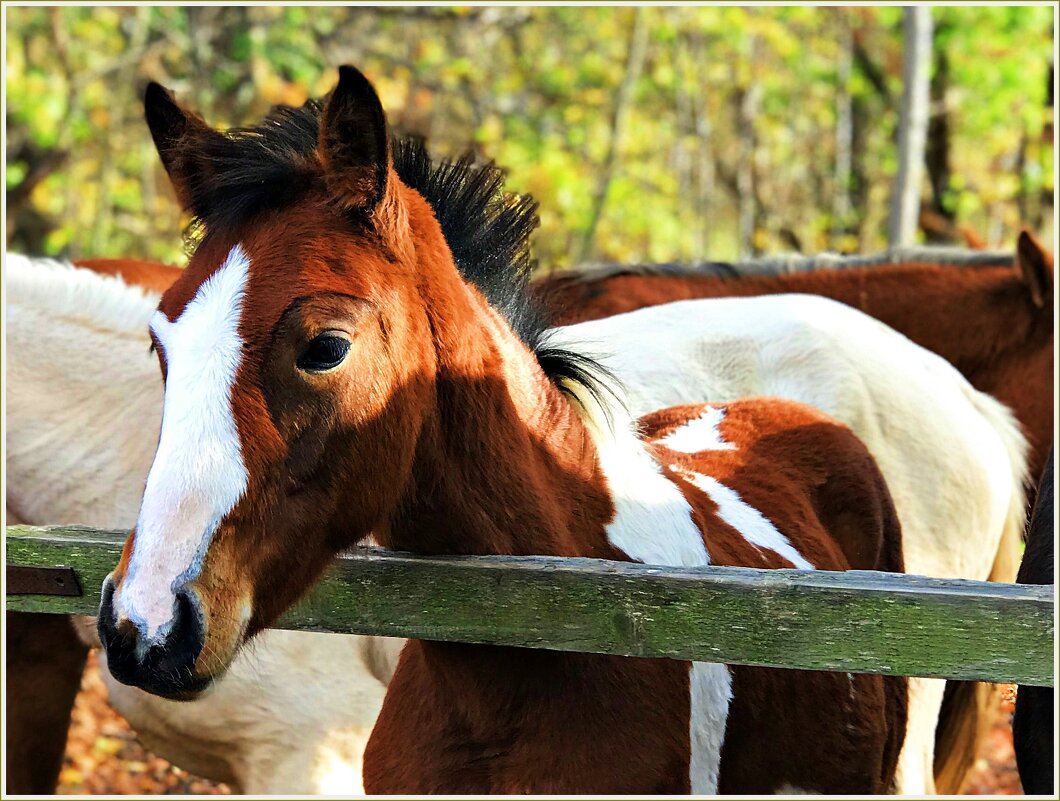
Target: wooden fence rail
857, 621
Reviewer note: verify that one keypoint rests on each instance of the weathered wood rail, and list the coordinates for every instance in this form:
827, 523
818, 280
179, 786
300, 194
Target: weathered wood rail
857, 621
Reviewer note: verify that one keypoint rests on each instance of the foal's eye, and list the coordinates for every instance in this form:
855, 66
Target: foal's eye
323, 353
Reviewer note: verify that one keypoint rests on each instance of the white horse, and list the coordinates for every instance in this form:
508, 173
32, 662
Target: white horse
84, 405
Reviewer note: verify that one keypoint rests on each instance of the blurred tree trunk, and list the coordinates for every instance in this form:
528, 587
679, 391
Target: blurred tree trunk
844, 130
26, 226
747, 100
937, 152
705, 161
1045, 197
638, 47
912, 125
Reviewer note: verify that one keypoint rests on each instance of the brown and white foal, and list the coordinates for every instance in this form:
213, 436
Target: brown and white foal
333, 370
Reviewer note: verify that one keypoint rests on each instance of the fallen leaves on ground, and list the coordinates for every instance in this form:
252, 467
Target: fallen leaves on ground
103, 756
995, 769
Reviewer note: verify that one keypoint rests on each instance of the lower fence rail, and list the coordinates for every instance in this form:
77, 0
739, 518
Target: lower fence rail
855, 621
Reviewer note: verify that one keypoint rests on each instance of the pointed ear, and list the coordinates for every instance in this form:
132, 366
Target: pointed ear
179, 136
1036, 266
355, 142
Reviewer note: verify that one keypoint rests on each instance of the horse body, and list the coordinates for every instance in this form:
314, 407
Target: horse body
993, 323
959, 472
376, 375
802, 348
450, 725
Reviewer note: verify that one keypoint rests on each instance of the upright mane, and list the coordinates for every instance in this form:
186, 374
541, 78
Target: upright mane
64, 290
488, 230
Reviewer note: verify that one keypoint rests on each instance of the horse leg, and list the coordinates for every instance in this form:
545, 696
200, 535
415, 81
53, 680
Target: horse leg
970, 709
915, 774
45, 660
1032, 724
1032, 735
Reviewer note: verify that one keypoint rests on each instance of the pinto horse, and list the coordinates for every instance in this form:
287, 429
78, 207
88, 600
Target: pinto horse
992, 321
342, 356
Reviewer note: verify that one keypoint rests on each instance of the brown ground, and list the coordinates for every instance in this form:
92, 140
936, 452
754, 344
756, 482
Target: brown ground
102, 755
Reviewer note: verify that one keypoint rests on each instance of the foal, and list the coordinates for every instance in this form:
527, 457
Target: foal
762, 483
342, 372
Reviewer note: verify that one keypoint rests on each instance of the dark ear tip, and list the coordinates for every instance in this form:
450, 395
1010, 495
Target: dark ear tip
155, 92
353, 81
159, 102
348, 72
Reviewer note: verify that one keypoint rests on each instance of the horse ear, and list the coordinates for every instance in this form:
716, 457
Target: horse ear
1036, 266
355, 142
178, 135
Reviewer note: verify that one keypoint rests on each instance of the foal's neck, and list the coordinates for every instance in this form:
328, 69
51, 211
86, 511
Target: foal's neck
504, 464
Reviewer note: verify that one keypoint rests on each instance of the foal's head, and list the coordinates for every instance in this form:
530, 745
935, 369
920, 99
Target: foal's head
300, 350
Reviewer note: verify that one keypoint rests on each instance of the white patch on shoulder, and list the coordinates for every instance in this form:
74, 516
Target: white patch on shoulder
747, 520
653, 524
700, 434
198, 474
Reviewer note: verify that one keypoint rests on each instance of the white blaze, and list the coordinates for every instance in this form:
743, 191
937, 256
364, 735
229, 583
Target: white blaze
198, 474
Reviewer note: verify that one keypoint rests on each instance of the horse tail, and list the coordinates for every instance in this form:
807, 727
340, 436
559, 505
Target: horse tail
970, 709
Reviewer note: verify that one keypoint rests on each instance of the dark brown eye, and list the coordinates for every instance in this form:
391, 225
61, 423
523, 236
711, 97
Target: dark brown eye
324, 353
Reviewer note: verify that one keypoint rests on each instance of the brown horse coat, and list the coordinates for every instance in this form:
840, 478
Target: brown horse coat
994, 324
483, 719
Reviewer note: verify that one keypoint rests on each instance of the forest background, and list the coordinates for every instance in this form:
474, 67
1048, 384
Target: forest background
646, 134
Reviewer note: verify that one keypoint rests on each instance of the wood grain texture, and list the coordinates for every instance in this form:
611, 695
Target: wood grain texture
857, 621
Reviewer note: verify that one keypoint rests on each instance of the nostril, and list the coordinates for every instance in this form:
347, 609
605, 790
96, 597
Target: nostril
185, 639
162, 664
105, 622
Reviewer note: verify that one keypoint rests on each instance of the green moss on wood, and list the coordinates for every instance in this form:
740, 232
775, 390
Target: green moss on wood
856, 621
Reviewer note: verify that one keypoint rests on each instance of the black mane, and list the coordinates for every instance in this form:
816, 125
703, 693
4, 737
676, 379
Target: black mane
488, 230
769, 266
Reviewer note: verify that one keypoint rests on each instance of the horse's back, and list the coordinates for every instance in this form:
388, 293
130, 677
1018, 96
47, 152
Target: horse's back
84, 396
151, 275
952, 457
